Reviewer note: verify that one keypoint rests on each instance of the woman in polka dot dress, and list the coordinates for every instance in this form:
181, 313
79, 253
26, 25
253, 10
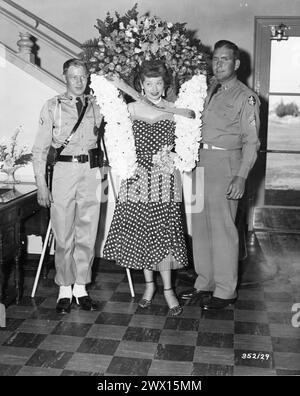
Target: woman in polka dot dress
146, 230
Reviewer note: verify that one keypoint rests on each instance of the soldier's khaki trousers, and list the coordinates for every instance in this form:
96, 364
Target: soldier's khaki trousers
74, 218
215, 237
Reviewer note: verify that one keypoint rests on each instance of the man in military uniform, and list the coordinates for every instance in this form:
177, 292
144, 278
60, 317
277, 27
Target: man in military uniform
74, 204
227, 153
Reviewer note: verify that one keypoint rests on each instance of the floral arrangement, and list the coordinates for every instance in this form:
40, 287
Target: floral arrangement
12, 154
188, 131
126, 41
122, 45
164, 159
118, 130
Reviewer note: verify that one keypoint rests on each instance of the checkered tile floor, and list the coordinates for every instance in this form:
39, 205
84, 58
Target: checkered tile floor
255, 337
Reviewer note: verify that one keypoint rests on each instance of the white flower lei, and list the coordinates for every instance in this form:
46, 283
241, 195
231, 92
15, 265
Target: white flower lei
119, 135
188, 130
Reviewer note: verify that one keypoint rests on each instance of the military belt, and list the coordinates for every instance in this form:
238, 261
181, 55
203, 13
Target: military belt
82, 158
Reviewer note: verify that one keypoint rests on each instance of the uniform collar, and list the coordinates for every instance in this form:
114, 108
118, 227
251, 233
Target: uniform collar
66, 97
229, 84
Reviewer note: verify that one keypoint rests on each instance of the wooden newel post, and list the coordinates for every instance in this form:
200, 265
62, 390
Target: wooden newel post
25, 45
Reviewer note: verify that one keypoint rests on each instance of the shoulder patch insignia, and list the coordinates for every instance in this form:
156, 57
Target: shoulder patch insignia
251, 100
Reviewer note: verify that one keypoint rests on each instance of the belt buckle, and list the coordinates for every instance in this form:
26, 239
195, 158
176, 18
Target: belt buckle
75, 158
218, 148
82, 158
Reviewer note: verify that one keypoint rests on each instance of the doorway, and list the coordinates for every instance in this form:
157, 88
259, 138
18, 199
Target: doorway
274, 186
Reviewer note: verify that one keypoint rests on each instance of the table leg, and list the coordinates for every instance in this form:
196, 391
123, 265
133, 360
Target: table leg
2, 306
18, 280
1, 271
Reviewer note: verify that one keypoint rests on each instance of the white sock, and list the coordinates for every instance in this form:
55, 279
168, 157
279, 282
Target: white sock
65, 292
79, 290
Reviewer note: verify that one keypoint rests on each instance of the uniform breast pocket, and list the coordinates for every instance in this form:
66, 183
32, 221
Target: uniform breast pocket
60, 129
230, 112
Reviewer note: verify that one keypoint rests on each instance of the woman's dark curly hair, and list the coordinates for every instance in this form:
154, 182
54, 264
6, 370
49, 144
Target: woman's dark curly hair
152, 68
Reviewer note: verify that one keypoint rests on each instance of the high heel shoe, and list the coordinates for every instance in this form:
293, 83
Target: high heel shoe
145, 303
177, 309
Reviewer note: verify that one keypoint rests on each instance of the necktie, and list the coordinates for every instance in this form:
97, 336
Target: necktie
79, 105
215, 90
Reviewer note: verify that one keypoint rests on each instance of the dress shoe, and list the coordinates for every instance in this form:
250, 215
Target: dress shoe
218, 303
86, 303
191, 293
63, 305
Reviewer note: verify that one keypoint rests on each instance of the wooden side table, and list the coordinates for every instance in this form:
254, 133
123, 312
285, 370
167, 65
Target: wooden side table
18, 202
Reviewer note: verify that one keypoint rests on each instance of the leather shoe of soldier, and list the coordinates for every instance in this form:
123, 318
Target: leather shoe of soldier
191, 293
218, 303
86, 303
63, 305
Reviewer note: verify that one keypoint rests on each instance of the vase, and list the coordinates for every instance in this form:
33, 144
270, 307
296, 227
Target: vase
10, 175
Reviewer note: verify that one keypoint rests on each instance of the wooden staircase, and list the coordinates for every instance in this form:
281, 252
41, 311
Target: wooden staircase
35, 40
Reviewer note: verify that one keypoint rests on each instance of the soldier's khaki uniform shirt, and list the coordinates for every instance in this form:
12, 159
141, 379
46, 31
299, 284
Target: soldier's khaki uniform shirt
231, 121
57, 119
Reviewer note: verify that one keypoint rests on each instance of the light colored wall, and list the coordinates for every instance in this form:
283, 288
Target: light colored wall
211, 19
21, 99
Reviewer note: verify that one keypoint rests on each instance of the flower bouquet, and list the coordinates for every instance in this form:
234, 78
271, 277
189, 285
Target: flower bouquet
13, 155
164, 159
124, 42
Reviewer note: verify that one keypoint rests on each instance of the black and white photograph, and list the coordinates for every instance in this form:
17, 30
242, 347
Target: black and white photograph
150, 191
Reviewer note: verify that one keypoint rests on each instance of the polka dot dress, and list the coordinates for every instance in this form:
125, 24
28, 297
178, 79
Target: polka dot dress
146, 229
